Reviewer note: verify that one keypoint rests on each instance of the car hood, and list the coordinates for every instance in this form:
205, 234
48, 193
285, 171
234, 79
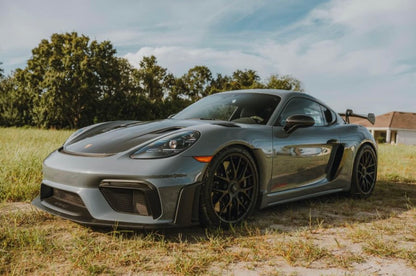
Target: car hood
119, 136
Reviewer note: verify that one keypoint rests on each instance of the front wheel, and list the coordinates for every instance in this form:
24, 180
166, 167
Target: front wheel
230, 189
364, 174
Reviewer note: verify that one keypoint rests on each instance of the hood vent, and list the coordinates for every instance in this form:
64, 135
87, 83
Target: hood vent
226, 124
165, 130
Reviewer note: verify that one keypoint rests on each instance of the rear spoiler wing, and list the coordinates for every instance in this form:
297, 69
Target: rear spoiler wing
349, 113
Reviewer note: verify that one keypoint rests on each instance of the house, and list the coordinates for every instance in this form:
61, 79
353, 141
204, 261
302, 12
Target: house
393, 127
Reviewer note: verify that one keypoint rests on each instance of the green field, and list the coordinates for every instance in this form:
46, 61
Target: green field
330, 235
21, 154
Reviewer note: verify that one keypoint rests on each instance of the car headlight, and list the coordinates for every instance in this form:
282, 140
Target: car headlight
168, 145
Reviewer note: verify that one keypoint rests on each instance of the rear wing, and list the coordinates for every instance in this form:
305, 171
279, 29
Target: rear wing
349, 113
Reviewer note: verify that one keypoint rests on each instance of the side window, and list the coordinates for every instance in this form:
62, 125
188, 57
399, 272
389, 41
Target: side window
327, 115
300, 106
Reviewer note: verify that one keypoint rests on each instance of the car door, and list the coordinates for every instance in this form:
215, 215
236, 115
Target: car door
301, 157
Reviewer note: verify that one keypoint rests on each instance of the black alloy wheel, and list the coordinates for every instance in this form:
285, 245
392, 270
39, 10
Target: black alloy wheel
231, 188
365, 172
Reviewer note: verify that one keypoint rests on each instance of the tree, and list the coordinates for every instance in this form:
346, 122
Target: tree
153, 78
197, 81
286, 82
220, 83
247, 79
69, 76
121, 95
16, 100
1, 72
72, 81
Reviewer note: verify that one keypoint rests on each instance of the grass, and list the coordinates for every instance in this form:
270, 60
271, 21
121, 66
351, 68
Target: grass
397, 163
327, 235
21, 154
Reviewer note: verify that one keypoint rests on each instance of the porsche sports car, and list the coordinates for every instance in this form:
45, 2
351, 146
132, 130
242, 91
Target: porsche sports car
212, 163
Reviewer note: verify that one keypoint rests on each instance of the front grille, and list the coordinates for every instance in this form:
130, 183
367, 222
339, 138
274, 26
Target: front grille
131, 197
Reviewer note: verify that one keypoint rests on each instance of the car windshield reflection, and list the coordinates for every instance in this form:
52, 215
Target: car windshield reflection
246, 108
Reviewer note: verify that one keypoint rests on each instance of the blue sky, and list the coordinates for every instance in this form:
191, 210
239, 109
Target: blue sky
358, 54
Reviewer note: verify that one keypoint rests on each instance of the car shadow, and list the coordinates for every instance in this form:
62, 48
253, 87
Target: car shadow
389, 199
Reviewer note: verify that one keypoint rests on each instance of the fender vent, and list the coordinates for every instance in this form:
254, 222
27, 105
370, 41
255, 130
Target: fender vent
335, 161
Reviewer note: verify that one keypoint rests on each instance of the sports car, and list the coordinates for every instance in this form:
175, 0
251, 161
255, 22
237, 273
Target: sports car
213, 163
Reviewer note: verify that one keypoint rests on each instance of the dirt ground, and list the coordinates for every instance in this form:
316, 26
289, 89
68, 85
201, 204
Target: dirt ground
361, 241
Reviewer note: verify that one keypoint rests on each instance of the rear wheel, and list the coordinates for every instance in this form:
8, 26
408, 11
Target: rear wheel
364, 172
230, 188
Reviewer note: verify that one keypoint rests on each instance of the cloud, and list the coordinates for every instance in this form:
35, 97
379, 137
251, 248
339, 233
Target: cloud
353, 53
180, 59
127, 24
366, 61
350, 53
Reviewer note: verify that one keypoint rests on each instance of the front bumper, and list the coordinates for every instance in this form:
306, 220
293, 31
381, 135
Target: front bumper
79, 183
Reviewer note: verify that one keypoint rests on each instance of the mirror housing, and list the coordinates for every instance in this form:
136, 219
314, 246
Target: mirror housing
296, 121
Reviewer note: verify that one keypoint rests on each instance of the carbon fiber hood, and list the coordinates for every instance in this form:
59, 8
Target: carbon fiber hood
113, 137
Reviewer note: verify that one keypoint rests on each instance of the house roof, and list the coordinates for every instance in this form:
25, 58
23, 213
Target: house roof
394, 119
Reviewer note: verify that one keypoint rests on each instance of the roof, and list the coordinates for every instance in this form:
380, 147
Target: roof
283, 94
278, 92
394, 119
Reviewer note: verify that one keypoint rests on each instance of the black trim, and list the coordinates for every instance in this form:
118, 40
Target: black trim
87, 219
187, 211
226, 124
337, 153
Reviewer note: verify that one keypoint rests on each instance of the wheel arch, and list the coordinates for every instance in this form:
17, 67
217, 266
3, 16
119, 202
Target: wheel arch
364, 143
355, 154
207, 217
260, 162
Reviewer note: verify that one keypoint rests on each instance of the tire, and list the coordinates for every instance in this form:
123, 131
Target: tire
230, 189
364, 174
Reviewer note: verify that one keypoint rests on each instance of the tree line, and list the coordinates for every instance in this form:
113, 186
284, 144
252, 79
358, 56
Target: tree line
72, 81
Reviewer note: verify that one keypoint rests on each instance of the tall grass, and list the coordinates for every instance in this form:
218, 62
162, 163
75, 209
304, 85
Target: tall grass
397, 163
21, 153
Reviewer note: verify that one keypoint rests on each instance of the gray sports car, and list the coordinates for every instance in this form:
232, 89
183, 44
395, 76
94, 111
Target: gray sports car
212, 163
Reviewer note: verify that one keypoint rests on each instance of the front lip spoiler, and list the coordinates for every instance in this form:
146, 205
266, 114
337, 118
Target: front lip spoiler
88, 220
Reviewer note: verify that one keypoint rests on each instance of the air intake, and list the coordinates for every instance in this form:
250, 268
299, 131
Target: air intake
131, 197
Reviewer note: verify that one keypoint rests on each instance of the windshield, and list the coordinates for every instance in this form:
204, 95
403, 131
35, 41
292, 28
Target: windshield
247, 108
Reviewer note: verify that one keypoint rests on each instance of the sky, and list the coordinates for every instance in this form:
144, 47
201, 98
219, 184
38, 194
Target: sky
358, 54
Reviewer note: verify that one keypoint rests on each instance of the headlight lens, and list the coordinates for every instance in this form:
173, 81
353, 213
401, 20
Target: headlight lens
168, 145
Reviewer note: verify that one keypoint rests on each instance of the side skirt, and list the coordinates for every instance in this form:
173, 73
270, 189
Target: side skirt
306, 196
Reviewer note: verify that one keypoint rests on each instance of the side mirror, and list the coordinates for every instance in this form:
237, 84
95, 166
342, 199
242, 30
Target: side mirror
372, 118
296, 121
